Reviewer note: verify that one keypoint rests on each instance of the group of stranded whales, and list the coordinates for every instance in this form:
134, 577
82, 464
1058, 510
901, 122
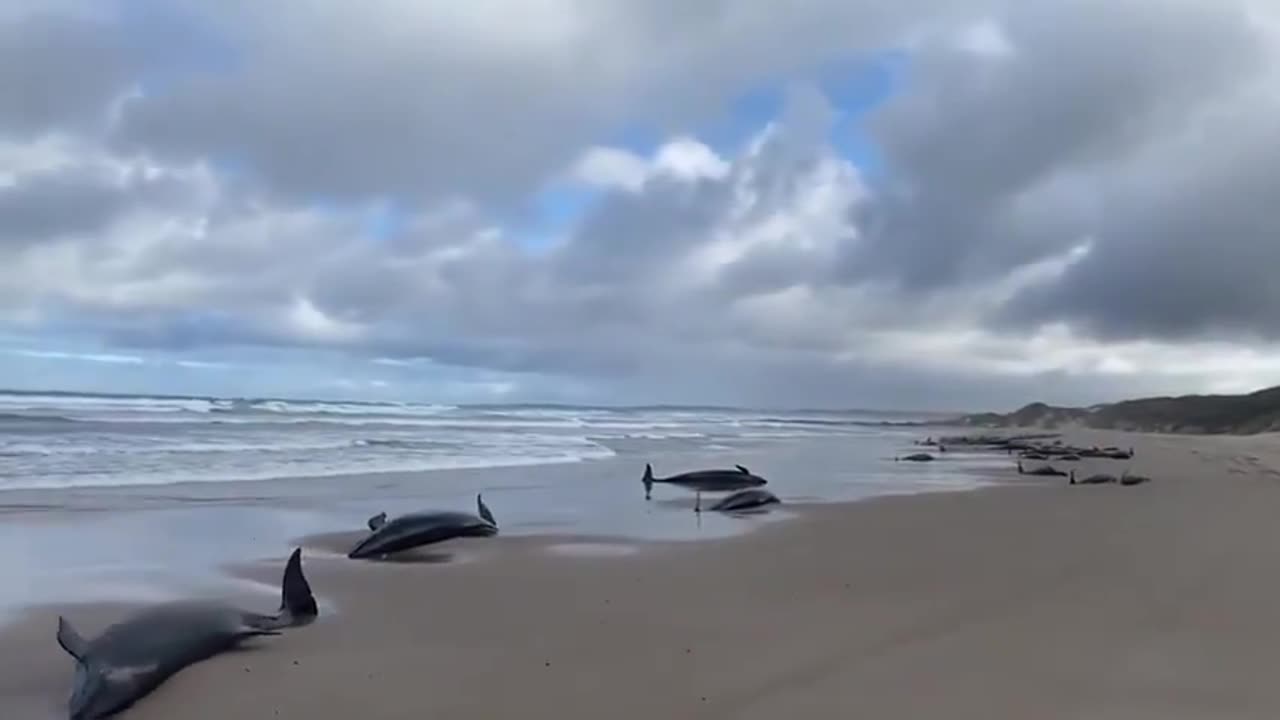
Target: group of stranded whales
417, 529
1032, 447
1066, 453
133, 657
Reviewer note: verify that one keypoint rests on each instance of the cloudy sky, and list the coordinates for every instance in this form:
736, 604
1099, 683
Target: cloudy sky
943, 204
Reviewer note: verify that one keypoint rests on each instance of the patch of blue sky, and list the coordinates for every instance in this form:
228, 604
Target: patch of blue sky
551, 215
857, 87
385, 220
744, 117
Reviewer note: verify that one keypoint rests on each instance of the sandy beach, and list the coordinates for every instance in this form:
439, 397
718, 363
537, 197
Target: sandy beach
1032, 600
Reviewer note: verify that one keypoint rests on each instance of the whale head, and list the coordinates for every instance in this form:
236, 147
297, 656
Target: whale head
98, 691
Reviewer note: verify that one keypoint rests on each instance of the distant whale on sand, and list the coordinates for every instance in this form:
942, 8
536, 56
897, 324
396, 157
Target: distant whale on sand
133, 657
1042, 470
716, 480
423, 528
741, 500
1127, 479
916, 457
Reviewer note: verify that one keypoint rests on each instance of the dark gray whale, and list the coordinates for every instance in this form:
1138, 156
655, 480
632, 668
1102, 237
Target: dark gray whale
716, 480
1042, 470
741, 500
1127, 479
133, 657
422, 528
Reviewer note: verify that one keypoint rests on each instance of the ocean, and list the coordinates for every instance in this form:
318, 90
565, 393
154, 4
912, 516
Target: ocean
134, 497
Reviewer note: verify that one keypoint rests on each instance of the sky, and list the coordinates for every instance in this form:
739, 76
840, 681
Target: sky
916, 204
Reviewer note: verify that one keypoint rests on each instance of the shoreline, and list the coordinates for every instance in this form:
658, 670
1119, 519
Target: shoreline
100, 546
330, 544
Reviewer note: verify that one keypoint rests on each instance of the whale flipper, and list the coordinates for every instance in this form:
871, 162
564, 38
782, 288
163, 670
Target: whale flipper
377, 521
484, 511
647, 480
71, 641
743, 469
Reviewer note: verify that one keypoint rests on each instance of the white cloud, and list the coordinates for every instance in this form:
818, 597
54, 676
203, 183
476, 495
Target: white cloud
203, 365
682, 159
612, 168
1032, 215
309, 323
985, 37
83, 357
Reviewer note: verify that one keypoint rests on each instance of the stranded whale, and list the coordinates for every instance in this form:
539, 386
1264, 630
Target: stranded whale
741, 500
423, 528
135, 656
715, 480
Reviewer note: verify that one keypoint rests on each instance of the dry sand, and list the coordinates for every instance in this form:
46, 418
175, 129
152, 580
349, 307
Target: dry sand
1034, 602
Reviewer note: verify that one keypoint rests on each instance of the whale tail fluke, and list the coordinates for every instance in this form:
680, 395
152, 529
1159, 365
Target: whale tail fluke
297, 603
377, 521
484, 511
647, 480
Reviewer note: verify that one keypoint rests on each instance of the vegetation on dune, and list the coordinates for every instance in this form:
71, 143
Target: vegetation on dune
1255, 412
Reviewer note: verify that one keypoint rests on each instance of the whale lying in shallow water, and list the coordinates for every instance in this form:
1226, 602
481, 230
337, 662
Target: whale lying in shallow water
742, 500
714, 480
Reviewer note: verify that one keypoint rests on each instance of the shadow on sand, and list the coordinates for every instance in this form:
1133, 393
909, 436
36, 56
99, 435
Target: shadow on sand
340, 543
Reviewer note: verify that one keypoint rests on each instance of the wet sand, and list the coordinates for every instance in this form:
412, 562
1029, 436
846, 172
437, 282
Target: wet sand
1037, 600
100, 544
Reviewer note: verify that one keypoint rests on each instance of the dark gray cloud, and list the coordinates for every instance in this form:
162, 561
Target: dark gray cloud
977, 140
75, 201
1191, 253
631, 237
61, 71
55, 204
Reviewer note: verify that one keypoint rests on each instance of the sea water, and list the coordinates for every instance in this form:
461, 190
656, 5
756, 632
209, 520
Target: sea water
135, 498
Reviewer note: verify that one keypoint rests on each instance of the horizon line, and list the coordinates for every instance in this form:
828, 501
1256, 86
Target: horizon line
584, 406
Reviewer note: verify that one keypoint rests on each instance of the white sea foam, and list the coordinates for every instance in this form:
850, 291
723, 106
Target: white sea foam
57, 440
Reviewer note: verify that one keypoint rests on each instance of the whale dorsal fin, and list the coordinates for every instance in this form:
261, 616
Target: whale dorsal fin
484, 511
71, 641
743, 469
297, 603
377, 521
